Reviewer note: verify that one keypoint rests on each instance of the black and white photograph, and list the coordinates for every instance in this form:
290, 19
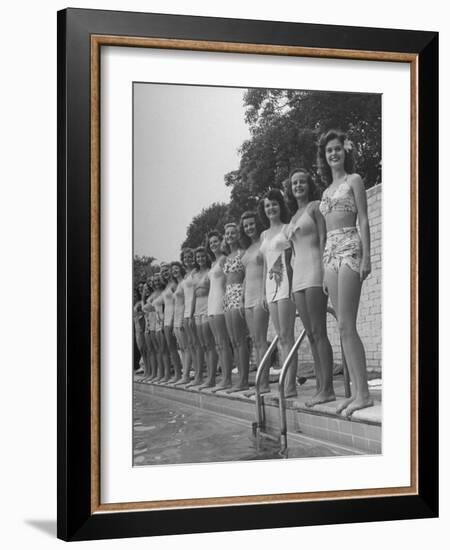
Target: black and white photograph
257, 274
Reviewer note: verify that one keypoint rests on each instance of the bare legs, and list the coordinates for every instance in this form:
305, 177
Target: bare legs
257, 319
207, 340
164, 350
282, 314
312, 307
219, 330
155, 337
237, 331
140, 342
345, 290
149, 358
173, 354
197, 353
180, 334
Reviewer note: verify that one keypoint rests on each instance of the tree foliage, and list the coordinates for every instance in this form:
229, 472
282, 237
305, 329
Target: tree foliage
212, 217
142, 267
285, 126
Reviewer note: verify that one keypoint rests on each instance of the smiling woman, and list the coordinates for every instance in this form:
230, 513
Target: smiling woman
233, 305
306, 231
256, 312
346, 256
276, 250
216, 314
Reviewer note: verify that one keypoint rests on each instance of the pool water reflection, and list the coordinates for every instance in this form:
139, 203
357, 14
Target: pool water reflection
166, 432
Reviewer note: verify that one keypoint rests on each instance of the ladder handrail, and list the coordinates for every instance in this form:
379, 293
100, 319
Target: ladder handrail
282, 399
261, 367
283, 373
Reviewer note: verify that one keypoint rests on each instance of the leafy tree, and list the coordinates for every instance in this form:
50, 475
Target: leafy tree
212, 217
142, 268
285, 126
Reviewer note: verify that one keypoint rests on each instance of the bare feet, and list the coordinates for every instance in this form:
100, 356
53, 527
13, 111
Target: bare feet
240, 387
356, 405
182, 381
265, 389
195, 382
344, 404
221, 387
319, 398
207, 384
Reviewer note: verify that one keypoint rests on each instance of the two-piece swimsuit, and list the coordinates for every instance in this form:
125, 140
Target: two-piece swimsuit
158, 304
343, 245
307, 260
233, 291
201, 290
150, 316
277, 281
217, 288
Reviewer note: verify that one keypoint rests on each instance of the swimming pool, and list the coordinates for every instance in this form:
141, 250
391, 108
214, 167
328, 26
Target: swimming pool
167, 432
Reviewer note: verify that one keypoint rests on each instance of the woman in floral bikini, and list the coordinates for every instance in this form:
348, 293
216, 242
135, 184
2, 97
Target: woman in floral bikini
347, 254
233, 305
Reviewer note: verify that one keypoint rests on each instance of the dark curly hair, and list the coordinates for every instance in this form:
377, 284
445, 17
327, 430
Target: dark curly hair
208, 259
273, 195
323, 167
313, 190
180, 265
214, 233
245, 239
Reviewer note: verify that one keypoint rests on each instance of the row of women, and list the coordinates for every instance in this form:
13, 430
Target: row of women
289, 256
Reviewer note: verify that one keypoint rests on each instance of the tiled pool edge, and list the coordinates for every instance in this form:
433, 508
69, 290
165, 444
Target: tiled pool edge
364, 435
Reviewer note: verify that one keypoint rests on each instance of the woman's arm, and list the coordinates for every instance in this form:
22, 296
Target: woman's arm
360, 195
320, 226
194, 296
264, 297
244, 282
289, 270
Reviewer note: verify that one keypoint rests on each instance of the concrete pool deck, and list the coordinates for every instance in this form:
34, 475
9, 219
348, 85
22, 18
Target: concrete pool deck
363, 431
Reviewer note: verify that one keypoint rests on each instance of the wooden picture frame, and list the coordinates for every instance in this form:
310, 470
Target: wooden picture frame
81, 35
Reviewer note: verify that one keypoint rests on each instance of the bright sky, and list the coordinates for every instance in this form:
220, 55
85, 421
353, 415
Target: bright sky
185, 141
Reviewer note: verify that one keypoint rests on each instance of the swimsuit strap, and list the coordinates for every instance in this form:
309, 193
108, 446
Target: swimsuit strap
338, 202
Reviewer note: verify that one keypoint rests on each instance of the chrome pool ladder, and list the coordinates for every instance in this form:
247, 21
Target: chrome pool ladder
260, 424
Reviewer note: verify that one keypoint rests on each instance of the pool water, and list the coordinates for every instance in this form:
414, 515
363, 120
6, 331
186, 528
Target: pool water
166, 432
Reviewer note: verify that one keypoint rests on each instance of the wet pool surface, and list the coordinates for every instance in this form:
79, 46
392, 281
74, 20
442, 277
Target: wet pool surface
166, 432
